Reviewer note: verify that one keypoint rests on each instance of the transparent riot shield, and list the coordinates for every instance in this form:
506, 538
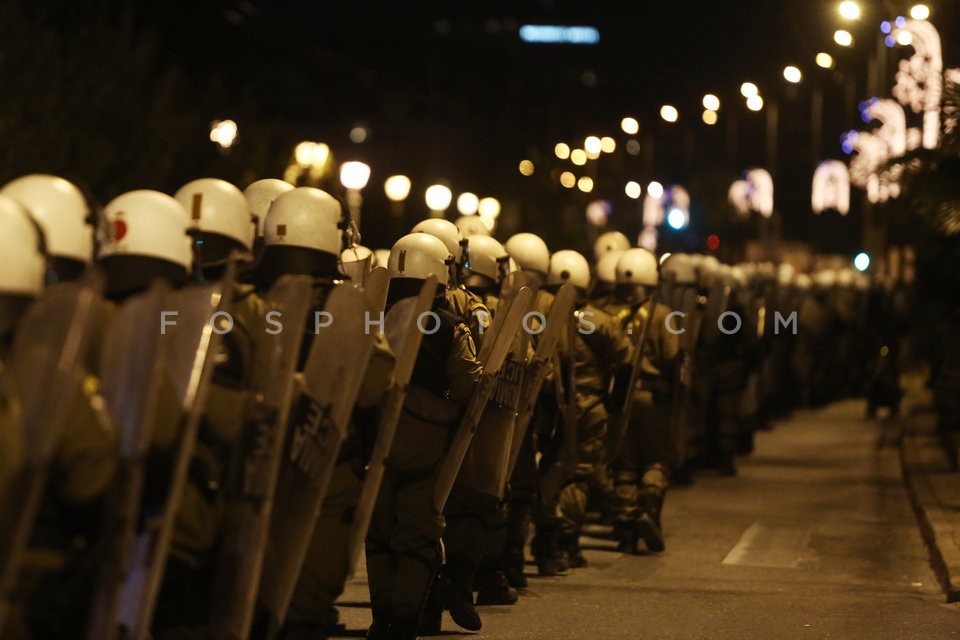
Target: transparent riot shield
131, 368
484, 469
251, 488
376, 287
496, 345
190, 327
318, 424
558, 320
45, 370
404, 338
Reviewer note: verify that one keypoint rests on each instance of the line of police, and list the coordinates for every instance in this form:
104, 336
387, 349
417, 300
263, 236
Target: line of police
218, 478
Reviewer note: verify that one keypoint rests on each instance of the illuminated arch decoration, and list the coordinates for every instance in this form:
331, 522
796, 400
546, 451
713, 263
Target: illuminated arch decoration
920, 78
831, 188
739, 197
761, 191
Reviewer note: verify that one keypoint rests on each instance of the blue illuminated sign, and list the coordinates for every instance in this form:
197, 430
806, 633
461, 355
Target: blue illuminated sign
553, 34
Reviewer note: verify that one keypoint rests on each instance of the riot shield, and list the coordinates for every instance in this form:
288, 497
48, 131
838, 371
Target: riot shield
400, 326
131, 368
189, 344
496, 345
558, 320
319, 420
376, 287
484, 467
622, 416
250, 489
45, 371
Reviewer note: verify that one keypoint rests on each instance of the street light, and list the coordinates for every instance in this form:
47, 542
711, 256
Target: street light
824, 60
397, 188
655, 190
849, 10
748, 89
608, 144
468, 203
711, 102
578, 157
633, 189
593, 146
710, 117
585, 184
630, 126
354, 176
312, 156
919, 12
223, 132
438, 198
755, 103
568, 180
843, 38
792, 74
562, 150
526, 168
669, 113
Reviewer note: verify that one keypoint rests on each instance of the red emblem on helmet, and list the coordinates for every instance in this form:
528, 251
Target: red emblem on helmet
116, 229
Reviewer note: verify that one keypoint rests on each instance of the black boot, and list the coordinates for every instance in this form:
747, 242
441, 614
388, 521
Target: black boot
627, 537
546, 551
382, 626
648, 524
458, 600
570, 543
431, 618
513, 565
404, 630
493, 589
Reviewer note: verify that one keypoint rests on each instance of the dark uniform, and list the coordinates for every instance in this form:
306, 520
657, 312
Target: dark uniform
641, 470
599, 349
402, 548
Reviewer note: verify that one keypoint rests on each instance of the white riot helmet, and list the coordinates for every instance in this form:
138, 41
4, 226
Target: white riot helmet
569, 266
219, 218
706, 269
471, 226
418, 256
530, 252
62, 212
489, 259
609, 242
638, 267
142, 236
22, 261
683, 269
446, 231
260, 195
356, 262
607, 268
302, 235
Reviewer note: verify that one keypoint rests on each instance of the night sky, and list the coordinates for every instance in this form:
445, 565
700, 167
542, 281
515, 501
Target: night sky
448, 92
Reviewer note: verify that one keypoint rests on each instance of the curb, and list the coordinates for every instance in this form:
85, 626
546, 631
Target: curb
936, 527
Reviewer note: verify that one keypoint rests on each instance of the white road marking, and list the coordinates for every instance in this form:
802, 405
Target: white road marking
765, 545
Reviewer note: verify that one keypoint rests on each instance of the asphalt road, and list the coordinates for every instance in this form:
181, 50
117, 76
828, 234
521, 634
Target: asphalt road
814, 539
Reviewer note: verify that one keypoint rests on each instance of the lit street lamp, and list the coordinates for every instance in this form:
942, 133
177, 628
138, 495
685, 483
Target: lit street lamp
354, 176
397, 189
438, 198
224, 133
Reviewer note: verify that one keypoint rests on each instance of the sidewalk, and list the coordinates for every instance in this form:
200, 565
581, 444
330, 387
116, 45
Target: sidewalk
934, 489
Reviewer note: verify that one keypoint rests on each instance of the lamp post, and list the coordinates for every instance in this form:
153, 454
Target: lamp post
438, 198
397, 188
354, 177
